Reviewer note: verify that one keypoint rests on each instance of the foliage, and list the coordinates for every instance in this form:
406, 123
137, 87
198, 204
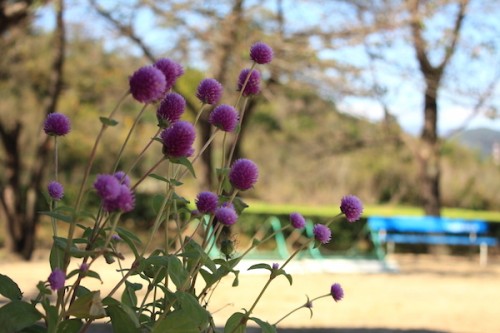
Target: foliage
178, 276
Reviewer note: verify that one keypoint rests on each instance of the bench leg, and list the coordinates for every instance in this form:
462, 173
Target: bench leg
390, 247
483, 254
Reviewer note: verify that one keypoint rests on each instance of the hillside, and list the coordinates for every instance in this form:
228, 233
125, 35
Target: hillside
480, 139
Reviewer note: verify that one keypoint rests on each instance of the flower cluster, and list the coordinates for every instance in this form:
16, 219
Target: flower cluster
115, 192
171, 270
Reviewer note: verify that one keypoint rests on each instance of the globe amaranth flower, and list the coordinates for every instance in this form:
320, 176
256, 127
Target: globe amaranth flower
243, 174
261, 53
226, 215
253, 85
178, 139
224, 117
56, 279
57, 124
147, 84
337, 292
171, 69
322, 233
206, 202
56, 190
209, 91
122, 178
297, 221
170, 109
124, 201
352, 207
107, 186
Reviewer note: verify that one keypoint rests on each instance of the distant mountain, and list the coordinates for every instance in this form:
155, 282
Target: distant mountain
482, 139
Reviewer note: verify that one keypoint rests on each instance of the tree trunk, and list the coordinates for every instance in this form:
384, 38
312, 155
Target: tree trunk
430, 169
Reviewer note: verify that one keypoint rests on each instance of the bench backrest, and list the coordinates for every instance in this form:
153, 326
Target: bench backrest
427, 224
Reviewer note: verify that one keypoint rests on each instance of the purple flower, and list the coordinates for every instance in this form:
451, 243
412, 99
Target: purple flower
261, 53
147, 84
116, 238
253, 84
209, 91
224, 117
206, 202
124, 201
243, 174
178, 139
107, 187
84, 267
56, 190
352, 207
171, 69
171, 109
276, 266
322, 233
226, 215
297, 221
57, 279
122, 178
337, 292
57, 124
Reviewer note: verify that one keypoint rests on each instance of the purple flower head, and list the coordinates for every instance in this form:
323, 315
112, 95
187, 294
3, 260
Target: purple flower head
84, 267
56, 279
352, 207
209, 91
171, 109
337, 292
322, 233
124, 201
116, 238
147, 84
224, 117
178, 139
276, 265
243, 174
226, 215
107, 187
57, 124
297, 221
261, 53
253, 84
206, 202
122, 178
171, 69
56, 190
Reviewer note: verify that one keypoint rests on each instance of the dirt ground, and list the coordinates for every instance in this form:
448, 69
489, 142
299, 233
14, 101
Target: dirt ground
430, 293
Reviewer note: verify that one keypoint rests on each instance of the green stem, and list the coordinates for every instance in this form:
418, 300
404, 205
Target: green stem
199, 113
138, 158
136, 121
307, 305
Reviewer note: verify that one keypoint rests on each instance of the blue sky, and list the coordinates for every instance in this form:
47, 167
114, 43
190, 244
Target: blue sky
404, 88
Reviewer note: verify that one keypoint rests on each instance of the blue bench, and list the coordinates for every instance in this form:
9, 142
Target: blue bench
429, 230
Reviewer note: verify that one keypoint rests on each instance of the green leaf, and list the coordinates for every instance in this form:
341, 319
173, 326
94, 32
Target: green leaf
87, 306
158, 177
129, 297
121, 321
59, 216
235, 323
34, 329
264, 325
189, 317
130, 239
17, 315
70, 326
177, 272
9, 288
56, 257
108, 122
185, 162
261, 266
